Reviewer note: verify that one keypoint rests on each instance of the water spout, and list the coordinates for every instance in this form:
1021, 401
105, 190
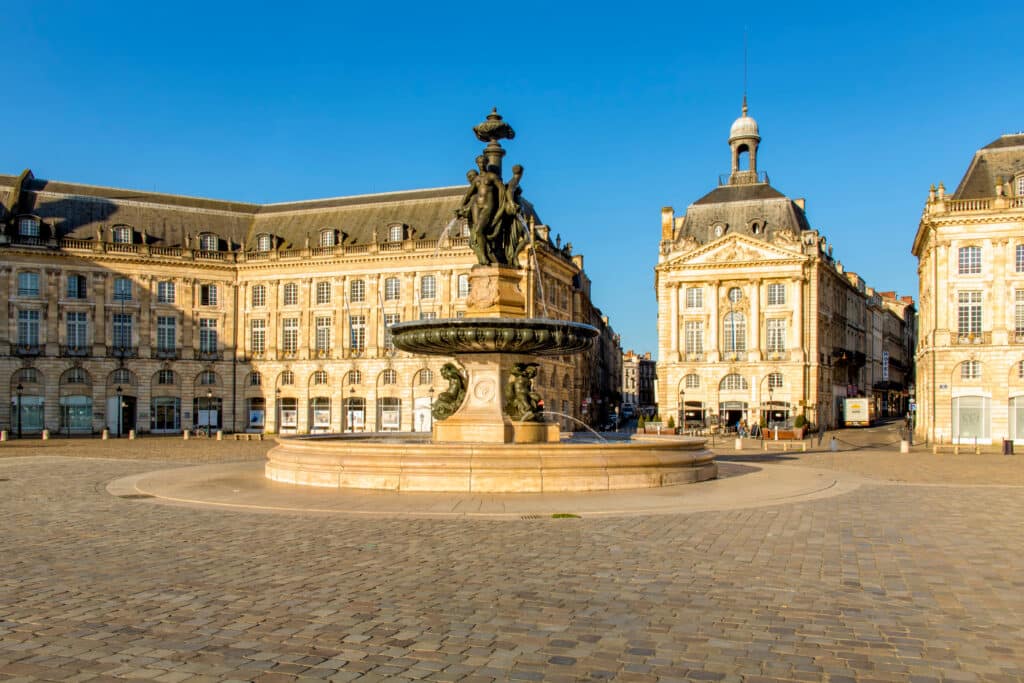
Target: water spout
445, 235
579, 422
533, 262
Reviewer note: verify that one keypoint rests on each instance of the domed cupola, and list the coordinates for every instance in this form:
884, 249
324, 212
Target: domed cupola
743, 139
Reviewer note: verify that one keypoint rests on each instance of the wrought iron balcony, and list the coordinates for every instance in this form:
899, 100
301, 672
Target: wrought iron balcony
165, 354
26, 350
210, 355
74, 350
971, 339
123, 351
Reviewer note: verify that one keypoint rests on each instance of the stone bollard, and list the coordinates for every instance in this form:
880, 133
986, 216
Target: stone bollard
738, 445
833, 445
105, 434
3, 435
184, 435
46, 435
904, 446
220, 435
131, 434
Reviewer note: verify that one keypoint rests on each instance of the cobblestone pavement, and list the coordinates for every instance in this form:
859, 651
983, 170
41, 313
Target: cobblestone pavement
891, 582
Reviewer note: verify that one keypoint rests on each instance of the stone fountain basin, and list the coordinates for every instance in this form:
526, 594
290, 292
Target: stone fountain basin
413, 464
534, 336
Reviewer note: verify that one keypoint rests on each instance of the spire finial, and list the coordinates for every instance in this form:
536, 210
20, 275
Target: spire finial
744, 70
744, 104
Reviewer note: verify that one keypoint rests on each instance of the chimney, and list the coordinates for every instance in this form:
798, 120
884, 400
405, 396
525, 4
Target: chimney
801, 202
667, 222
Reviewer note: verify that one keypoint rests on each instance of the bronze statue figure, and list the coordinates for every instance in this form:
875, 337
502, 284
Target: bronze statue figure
449, 400
522, 402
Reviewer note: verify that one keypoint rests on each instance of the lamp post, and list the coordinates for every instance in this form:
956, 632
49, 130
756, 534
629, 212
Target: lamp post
20, 389
431, 411
120, 410
351, 409
682, 408
209, 404
277, 409
771, 402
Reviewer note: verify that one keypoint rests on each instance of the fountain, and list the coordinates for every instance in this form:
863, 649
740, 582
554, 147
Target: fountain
490, 433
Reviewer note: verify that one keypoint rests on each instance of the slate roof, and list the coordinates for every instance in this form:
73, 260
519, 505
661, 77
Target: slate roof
1003, 157
738, 206
80, 210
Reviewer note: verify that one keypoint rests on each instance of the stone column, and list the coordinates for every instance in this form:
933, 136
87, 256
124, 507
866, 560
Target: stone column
146, 284
713, 352
5, 283
798, 319
52, 292
673, 321
755, 320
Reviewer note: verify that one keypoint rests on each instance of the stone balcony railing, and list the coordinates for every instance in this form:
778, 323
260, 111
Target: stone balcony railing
946, 205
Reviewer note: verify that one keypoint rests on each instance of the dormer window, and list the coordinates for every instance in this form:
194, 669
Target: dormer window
28, 227
327, 238
122, 234
396, 232
756, 226
718, 229
264, 242
208, 242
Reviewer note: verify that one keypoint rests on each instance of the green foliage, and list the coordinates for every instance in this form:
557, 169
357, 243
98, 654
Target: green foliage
764, 422
640, 422
564, 515
800, 421
671, 422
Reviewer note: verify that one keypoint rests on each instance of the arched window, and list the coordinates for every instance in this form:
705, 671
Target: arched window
27, 375
208, 378
327, 237
735, 332
392, 289
264, 242
691, 381
165, 377
354, 377
734, 382
123, 376
357, 291
255, 379
320, 377
287, 378
389, 376
463, 286
75, 376
426, 376
775, 380
428, 287
208, 242
970, 369
735, 294
122, 234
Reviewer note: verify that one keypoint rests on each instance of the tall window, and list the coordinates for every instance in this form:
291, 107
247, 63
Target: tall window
165, 377
264, 242
776, 337
258, 335
28, 283
428, 315
735, 332
354, 377
357, 291
1019, 257
208, 378
358, 332
165, 292
428, 287
122, 289
166, 332
969, 313
389, 320
694, 297
326, 238
122, 234
392, 287
692, 381
323, 333
28, 227
122, 330
734, 382
78, 287
259, 296
320, 377
77, 329
693, 336
970, 369
291, 294
426, 376
207, 335
970, 260
28, 328
323, 293
207, 242
1018, 312
775, 380
255, 379
776, 294
395, 233
287, 378
290, 335
389, 376
208, 295
463, 286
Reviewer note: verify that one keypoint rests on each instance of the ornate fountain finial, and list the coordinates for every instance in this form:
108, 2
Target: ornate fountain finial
493, 129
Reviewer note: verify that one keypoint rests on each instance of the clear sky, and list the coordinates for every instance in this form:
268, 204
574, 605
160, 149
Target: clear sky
619, 109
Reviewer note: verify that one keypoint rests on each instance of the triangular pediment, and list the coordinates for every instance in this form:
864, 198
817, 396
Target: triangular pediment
734, 250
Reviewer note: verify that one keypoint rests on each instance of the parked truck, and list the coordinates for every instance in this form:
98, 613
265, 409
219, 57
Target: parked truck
858, 412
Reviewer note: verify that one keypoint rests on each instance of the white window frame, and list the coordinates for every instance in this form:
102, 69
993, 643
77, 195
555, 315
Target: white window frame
207, 335
327, 238
166, 332
969, 260
122, 289
392, 289
694, 298
357, 291
208, 294
428, 287
323, 325
259, 296
76, 325
28, 327
165, 292
290, 335
970, 312
776, 294
693, 337
775, 335
258, 335
463, 286
323, 293
290, 294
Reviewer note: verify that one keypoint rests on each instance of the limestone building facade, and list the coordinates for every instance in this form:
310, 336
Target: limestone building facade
970, 250
160, 313
639, 377
757, 320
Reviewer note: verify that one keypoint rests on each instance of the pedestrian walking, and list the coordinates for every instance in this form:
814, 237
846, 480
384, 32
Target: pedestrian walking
821, 432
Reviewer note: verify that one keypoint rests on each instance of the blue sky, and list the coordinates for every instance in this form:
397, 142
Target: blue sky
619, 109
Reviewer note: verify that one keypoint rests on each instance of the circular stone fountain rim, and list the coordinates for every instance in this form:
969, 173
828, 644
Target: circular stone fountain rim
583, 331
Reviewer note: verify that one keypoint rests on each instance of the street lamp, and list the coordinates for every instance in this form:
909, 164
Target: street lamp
277, 408
19, 390
771, 403
431, 412
682, 407
209, 404
120, 410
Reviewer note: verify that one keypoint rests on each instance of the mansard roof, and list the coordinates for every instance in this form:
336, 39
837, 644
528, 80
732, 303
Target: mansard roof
1002, 158
755, 209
